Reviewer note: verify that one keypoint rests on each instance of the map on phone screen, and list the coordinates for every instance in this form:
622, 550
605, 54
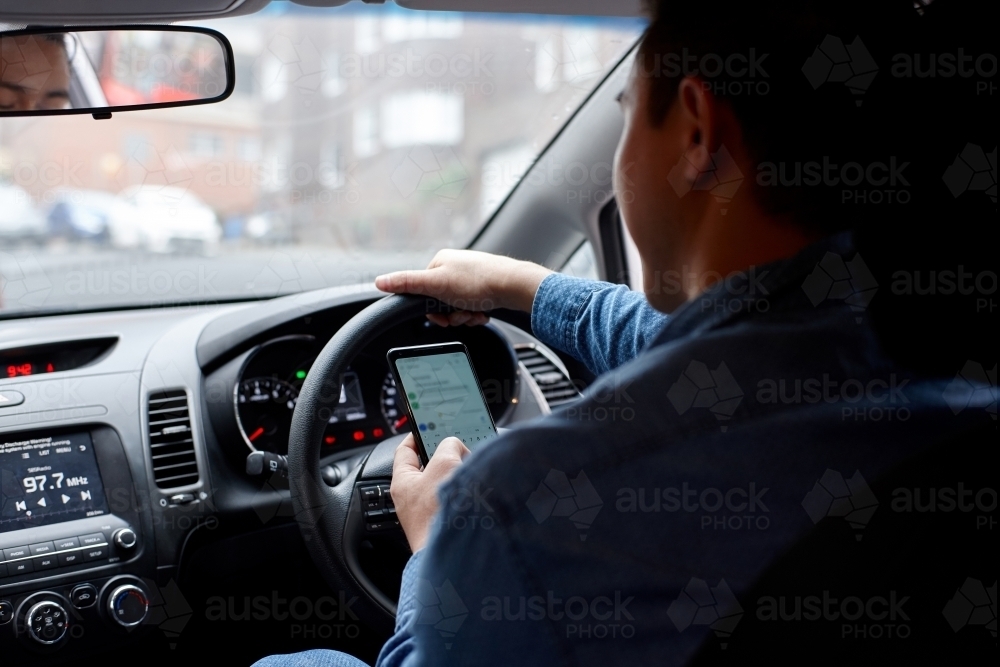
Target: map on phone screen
445, 399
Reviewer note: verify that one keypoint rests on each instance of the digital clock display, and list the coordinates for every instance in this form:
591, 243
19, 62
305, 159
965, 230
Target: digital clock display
49, 479
28, 368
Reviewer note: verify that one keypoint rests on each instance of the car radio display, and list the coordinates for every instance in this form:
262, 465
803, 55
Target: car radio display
49, 479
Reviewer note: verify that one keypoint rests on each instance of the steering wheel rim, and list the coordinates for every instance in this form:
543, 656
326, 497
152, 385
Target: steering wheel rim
331, 518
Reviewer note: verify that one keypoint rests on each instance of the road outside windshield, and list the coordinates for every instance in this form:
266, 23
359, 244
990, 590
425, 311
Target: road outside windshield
358, 141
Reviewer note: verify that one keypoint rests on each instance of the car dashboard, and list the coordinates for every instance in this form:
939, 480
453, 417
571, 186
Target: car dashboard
124, 439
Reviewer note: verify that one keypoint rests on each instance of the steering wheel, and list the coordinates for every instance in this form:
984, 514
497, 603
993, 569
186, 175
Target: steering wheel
331, 518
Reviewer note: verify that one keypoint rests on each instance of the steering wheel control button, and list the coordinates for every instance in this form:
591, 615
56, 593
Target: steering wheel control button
379, 511
128, 605
371, 498
6, 612
83, 596
67, 543
125, 538
9, 398
47, 622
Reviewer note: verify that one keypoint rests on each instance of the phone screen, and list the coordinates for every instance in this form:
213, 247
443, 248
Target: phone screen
445, 400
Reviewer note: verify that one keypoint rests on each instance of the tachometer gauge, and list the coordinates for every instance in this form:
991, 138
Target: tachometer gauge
392, 407
264, 411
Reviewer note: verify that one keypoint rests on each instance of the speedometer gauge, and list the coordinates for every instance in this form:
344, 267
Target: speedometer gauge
264, 410
392, 408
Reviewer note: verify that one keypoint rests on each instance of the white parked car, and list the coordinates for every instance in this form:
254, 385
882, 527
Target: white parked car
20, 219
169, 219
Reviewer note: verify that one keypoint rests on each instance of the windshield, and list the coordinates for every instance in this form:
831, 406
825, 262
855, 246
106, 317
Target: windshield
358, 140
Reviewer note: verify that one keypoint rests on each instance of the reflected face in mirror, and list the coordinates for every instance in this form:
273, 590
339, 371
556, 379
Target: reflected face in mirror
34, 73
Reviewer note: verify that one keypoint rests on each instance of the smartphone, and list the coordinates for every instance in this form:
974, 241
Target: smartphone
442, 396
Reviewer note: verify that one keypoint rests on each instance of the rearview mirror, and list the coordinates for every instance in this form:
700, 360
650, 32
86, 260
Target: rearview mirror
99, 70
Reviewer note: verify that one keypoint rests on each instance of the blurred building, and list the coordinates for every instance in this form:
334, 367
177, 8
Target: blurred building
360, 129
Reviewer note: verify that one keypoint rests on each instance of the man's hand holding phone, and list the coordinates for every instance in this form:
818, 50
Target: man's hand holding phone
414, 491
443, 399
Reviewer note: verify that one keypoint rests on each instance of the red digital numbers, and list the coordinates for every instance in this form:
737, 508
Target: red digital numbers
17, 370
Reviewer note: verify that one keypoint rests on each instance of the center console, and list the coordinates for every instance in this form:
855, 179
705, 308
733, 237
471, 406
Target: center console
72, 552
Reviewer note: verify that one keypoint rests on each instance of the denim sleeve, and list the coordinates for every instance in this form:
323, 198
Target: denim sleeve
450, 611
601, 324
397, 651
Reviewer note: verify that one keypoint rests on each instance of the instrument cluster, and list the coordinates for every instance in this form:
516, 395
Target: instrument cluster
367, 412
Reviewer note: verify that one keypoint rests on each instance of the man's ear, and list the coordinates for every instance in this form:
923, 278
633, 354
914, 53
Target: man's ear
697, 121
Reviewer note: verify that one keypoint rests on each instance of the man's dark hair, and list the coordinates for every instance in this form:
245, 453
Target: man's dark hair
764, 60
920, 225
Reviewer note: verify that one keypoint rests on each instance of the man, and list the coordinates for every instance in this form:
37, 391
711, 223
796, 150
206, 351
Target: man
629, 527
34, 73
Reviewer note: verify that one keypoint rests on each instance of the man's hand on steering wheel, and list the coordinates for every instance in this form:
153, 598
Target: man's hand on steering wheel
471, 282
414, 491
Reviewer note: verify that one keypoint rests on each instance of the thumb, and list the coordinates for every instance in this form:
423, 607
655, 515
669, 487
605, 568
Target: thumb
449, 454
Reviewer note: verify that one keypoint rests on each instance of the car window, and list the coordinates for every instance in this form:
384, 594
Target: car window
582, 263
358, 140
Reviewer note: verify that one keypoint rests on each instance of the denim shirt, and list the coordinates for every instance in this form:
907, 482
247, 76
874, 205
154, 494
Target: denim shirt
606, 533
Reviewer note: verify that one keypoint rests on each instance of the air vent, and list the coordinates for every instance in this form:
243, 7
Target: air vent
170, 441
556, 387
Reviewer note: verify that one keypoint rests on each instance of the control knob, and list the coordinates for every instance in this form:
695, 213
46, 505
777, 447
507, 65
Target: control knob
47, 622
128, 605
125, 538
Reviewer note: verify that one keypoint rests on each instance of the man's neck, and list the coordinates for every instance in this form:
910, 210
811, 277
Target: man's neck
726, 244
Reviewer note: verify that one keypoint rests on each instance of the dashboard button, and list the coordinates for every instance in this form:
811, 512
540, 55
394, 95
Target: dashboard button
45, 562
16, 552
9, 398
6, 612
20, 567
83, 596
92, 540
70, 558
96, 553
3, 570
42, 548
67, 543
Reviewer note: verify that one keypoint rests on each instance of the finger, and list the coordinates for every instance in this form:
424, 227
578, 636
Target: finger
406, 459
407, 282
439, 319
448, 455
392, 282
459, 317
477, 319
